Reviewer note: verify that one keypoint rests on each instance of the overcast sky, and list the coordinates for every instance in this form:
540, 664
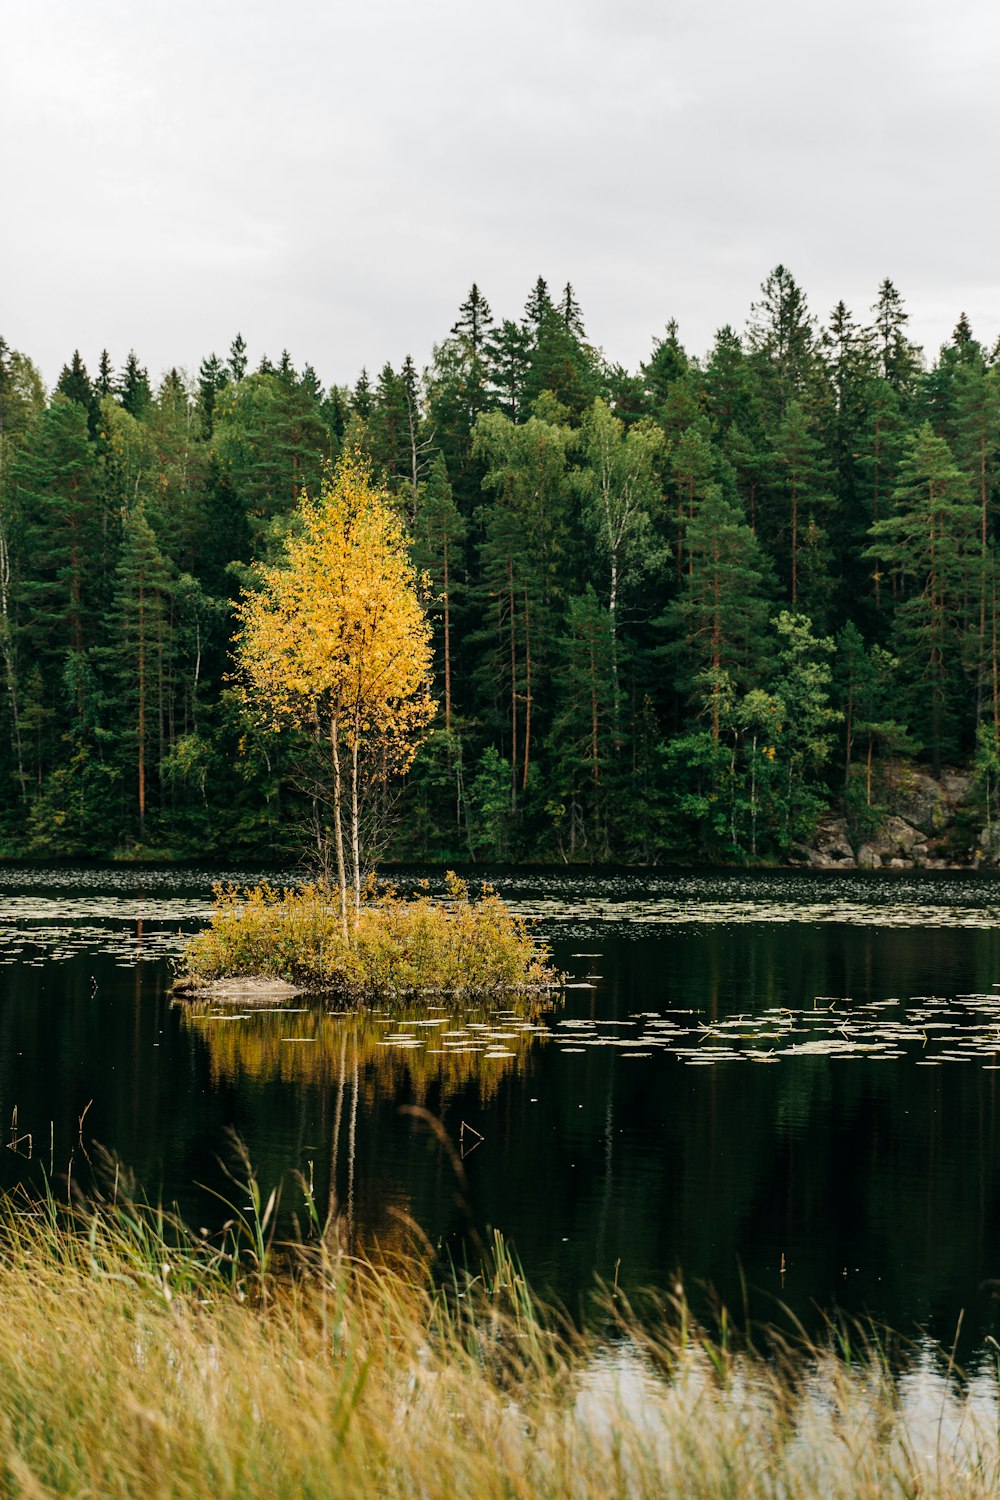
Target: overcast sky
330, 178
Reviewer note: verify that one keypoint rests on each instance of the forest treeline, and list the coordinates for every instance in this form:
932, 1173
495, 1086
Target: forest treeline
679, 612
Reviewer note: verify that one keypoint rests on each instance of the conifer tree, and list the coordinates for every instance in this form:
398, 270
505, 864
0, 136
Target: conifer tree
667, 363
56, 485
559, 361
237, 359
782, 339
438, 551
584, 728
104, 385
74, 382
271, 442
803, 677
538, 307
472, 330
719, 619
850, 367
976, 446
21, 405
930, 541
508, 354
388, 428
133, 389
728, 383
361, 401
898, 358
694, 466
801, 493
138, 649
867, 680
525, 539
211, 380
571, 313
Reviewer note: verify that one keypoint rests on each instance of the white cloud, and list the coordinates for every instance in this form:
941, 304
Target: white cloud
331, 178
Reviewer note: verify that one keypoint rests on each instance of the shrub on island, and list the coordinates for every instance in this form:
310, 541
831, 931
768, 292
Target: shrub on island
392, 946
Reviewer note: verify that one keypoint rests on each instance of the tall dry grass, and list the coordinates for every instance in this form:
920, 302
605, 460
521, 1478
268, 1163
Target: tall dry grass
394, 947
137, 1360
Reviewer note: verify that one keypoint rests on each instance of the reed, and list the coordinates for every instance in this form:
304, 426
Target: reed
138, 1359
394, 946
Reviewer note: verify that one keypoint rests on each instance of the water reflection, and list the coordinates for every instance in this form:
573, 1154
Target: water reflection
828, 1426
638, 1125
441, 1053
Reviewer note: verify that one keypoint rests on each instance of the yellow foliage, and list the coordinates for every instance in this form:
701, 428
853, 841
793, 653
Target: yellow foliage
395, 947
336, 639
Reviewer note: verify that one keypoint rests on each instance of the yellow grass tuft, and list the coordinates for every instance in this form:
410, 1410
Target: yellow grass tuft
137, 1360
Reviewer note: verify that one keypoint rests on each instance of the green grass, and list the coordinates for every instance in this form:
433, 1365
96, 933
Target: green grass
139, 1360
394, 947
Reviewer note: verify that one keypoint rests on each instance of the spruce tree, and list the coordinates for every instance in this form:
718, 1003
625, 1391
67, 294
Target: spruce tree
584, 730
211, 380
782, 339
898, 359
667, 363
508, 355
719, 621
237, 359
472, 326
74, 383
438, 550
931, 543
56, 483
133, 389
138, 652
104, 385
800, 496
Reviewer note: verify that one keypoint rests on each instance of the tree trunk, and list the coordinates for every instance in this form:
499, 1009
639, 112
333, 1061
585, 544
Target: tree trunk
593, 716
142, 712
338, 827
447, 644
527, 694
355, 818
513, 685
716, 644
993, 658
10, 670
615, 690
795, 546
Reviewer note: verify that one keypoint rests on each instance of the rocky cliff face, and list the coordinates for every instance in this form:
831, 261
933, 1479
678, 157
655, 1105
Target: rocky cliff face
932, 825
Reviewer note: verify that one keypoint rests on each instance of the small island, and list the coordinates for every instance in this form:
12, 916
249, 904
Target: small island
392, 947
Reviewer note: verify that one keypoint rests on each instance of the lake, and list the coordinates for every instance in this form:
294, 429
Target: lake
780, 1086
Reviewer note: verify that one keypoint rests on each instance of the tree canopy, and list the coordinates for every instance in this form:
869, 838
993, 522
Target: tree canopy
620, 585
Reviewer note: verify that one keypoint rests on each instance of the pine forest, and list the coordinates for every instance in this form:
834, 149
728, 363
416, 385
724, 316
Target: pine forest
680, 614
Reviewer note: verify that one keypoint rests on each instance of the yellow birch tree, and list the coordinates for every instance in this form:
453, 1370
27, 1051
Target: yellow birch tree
336, 642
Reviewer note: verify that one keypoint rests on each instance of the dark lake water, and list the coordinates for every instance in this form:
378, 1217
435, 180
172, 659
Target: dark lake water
746, 1073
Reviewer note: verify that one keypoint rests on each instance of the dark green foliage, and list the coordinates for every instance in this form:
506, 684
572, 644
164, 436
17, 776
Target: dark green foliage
237, 359
74, 383
607, 557
930, 542
211, 380
718, 621
133, 389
